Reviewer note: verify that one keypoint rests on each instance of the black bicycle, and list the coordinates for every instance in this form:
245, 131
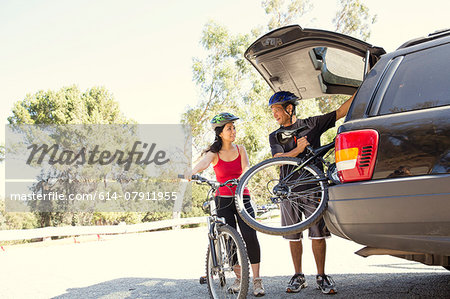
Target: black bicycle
294, 187
226, 257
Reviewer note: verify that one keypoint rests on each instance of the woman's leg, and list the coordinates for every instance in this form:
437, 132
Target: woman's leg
251, 241
255, 270
253, 249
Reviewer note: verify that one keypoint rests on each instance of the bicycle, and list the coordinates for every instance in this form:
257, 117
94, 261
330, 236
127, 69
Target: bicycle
292, 186
226, 257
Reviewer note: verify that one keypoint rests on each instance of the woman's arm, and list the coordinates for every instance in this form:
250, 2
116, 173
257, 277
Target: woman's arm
204, 163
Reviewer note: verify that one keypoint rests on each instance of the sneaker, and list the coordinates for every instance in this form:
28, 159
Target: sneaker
326, 284
258, 288
296, 283
235, 287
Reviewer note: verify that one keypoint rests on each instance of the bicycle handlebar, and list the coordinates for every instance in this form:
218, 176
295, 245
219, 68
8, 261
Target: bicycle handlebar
212, 183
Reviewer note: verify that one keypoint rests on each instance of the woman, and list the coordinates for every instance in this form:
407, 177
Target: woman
230, 161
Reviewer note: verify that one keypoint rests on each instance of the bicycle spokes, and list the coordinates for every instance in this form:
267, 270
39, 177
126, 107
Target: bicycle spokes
288, 197
230, 254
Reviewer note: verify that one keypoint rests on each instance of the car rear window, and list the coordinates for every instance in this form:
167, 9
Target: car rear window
421, 81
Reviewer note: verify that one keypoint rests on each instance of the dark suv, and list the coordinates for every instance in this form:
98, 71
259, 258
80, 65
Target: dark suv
393, 150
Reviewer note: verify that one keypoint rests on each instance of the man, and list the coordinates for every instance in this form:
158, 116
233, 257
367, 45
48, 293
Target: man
283, 106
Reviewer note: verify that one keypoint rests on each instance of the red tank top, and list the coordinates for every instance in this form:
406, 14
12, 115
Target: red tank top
226, 171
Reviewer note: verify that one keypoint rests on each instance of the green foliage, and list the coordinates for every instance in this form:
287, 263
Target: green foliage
199, 193
282, 13
223, 77
156, 216
354, 18
16, 220
68, 106
112, 218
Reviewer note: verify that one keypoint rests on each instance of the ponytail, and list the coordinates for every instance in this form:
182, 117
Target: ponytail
216, 146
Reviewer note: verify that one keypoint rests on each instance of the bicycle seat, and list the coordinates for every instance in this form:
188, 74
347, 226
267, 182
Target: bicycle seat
284, 135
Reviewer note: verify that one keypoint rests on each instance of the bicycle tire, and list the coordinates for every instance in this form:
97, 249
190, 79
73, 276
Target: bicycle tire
229, 245
306, 203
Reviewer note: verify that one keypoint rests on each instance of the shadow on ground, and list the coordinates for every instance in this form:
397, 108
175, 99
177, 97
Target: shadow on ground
386, 285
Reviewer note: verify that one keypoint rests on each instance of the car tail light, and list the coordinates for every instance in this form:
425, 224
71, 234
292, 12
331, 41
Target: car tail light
356, 152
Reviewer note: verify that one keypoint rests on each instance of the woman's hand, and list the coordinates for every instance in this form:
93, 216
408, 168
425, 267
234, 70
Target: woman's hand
188, 174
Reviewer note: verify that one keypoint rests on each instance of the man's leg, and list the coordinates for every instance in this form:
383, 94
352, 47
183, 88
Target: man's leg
296, 254
319, 248
297, 282
318, 233
289, 216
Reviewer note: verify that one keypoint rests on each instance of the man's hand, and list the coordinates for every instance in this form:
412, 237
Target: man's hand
302, 143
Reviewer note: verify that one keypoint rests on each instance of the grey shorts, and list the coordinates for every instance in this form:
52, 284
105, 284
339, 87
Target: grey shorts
290, 216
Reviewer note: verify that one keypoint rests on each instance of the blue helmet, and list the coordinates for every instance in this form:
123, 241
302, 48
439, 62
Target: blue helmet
283, 97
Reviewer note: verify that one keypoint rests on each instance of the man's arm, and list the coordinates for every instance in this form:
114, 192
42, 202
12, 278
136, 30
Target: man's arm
342, 111
301, 145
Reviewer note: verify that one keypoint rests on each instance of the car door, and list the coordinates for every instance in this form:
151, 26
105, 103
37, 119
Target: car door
312, 63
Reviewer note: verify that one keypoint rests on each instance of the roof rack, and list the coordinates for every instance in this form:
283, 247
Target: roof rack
431, 36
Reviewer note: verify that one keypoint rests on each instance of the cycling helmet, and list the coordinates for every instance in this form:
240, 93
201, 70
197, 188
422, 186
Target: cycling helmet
283, 98
222, 119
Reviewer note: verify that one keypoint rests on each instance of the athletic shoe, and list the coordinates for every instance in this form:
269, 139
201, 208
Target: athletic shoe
326, 284
296, 283
235, 287
258, 288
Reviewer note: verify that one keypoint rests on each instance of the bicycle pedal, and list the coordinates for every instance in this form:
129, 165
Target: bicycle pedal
203, 280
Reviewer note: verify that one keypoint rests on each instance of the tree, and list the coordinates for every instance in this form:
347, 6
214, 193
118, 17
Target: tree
282, 13
68, 106
353, 18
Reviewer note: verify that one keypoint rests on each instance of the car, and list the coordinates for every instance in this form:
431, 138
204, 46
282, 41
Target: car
393, 149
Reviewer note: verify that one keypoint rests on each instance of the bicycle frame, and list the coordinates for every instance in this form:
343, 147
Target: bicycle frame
213, 220
313, 154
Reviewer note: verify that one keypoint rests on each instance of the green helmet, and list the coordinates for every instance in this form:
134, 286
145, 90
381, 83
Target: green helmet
222, 119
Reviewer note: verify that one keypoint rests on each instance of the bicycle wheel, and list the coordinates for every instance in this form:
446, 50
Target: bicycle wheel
287, 201
231, 255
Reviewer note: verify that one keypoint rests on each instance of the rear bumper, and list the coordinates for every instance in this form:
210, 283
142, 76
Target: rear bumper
408, 214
